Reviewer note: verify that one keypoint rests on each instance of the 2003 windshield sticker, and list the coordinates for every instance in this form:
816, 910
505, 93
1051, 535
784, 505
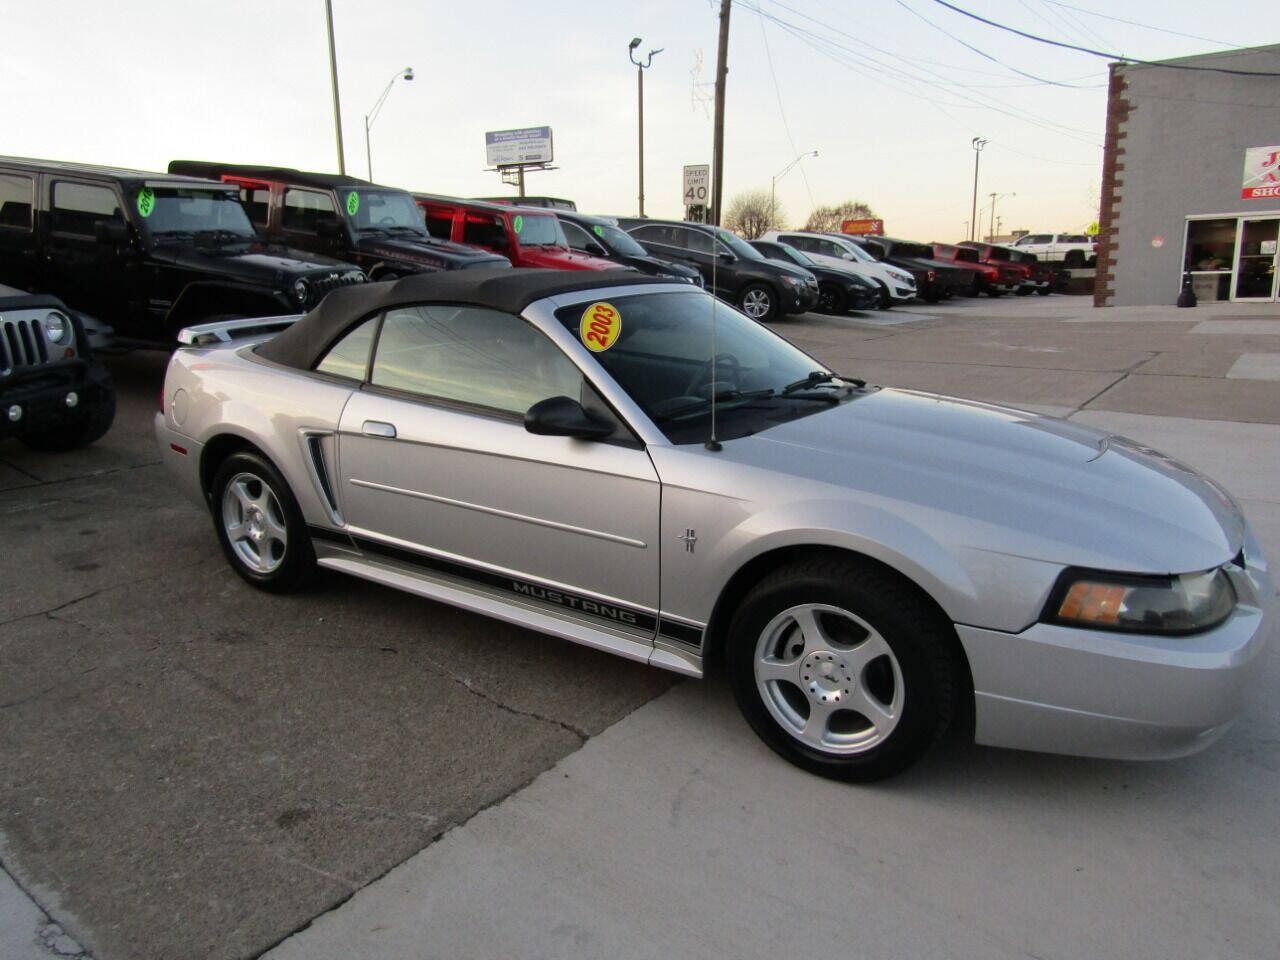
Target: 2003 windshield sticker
353, 203
601, 324
146, 202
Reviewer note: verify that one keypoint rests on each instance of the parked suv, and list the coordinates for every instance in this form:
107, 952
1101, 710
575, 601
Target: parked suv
1071, 249
935, 280
54, 394
378, 228
839, 290
527, 236
148, 253
897, 286
1036, 277
602, 237
731, 268
987, 278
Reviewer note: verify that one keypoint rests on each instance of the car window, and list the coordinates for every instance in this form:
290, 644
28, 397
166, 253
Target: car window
485, 230
697, 241
16, 194
538, 230
382, 210
79, 207
577, 237
800, 243
257, 201
349, 357
473, 356
439, 221
1075, 238
666, 235
305, 210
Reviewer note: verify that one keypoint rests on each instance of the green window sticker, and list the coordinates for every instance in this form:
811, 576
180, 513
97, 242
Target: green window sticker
598, 230
724, 237
353, 202
518, 223
146, 202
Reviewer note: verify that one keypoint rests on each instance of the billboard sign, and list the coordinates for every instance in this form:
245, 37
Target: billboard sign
509, 148
1261, 173
864, 226
697, 184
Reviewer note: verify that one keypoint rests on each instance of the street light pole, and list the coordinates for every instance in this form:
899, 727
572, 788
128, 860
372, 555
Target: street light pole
333, 76
991, 224
977, 143
640, 69
372, 115
773, 181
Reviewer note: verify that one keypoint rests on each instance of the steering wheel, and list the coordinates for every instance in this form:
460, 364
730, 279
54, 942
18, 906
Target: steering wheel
387, 222
710, 371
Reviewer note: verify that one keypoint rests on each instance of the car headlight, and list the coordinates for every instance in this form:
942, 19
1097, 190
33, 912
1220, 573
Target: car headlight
57, 328
793, 281
301, 290
903, 277
1187, 603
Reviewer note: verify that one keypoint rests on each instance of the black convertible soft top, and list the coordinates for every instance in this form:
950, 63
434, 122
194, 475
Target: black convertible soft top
510, 291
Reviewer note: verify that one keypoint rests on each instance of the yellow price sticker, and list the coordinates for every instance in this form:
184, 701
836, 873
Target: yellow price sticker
600, 326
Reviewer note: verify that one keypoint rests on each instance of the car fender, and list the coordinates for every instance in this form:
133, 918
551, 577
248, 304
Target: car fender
206, 298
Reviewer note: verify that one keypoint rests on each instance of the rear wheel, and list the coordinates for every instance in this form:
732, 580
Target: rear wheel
841, 669
259, 524
975, 288
758, 302
886, 301
831, 298
1074, 258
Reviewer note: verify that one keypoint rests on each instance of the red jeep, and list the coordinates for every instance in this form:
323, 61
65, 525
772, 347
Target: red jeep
988, 278
527, 236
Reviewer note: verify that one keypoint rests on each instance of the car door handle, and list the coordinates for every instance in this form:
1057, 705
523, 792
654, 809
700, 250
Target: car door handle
376, 428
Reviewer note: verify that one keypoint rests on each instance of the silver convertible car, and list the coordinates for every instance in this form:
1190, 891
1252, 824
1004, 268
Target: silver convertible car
628, 463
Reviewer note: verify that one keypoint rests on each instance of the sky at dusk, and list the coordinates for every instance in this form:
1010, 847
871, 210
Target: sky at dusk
889, 92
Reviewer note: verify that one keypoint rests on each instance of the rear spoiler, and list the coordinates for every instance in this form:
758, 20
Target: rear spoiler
225, 331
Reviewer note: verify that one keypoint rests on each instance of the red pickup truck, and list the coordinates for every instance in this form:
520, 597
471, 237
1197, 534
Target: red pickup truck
989, 278
527, 236
1036, 277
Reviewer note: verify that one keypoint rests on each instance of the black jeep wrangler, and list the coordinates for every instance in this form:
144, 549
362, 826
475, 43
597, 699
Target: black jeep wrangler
148, 253
54, 394
379, 228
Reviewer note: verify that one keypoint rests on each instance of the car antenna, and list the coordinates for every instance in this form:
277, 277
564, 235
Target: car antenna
713, 444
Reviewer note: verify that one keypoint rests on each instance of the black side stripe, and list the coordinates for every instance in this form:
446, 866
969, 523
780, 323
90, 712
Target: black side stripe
613, 613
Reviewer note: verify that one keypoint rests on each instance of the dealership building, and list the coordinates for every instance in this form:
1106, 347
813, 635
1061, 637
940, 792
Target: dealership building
1191, 180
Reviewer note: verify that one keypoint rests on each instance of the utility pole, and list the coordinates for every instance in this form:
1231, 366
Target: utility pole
977, 143
717, 143
333, 76
991, 222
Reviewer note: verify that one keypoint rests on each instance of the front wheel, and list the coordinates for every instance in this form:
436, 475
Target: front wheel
842, 670
259, 524
758, 302
830, 298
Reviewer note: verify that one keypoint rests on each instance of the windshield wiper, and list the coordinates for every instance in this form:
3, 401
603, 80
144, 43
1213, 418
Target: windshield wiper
218, 233
818, 378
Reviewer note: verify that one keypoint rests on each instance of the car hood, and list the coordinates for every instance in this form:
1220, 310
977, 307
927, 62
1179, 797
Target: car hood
560, 258
657, 266
253, 260
430, 253
992, 478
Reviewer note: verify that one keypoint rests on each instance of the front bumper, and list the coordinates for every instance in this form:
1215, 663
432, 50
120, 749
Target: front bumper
41, 393
1123, 696
799, 299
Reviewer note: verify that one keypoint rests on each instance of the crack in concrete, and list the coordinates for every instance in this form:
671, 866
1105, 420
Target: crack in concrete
112, 471
18, 469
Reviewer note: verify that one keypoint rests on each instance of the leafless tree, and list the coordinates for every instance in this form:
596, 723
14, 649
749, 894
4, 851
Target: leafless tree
828, 219
751, 213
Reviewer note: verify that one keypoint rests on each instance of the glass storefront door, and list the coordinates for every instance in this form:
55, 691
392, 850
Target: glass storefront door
1256, 259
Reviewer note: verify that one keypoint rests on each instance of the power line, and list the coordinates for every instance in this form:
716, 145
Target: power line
1100, 53
781, 110
1135, 23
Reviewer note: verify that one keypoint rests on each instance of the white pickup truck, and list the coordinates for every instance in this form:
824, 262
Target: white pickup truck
1070, 249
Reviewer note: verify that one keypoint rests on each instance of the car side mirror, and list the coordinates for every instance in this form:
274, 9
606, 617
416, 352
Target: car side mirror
111, 231
328, 229
564, 417
727, 258
846, 255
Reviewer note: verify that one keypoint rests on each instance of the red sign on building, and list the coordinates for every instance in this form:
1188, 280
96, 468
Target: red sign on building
1261, 173
859, 227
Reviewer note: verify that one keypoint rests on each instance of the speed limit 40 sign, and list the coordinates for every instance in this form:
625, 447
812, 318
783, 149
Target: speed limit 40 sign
697, 184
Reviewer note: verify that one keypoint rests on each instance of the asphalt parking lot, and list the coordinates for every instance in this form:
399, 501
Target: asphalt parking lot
194, 769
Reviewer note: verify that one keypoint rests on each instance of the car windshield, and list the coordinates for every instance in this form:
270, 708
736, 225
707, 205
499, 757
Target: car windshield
739, 246
659, 348
388, 210
173, 212
538, 230
859, 252
617, 241
796, 256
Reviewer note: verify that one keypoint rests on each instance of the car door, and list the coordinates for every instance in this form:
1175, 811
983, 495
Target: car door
99, 277
309, 220
666, 242
438, 468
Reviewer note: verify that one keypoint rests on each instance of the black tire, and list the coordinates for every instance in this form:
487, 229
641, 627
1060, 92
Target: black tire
753, 296
99, 405
1024, 291
831, 299
290, 567
991, 292
886, 301
1044, 291
931, 297
1074, 258
891, 613
975, 288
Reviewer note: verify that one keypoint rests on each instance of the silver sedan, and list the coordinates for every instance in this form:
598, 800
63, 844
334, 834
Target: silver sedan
630, 464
